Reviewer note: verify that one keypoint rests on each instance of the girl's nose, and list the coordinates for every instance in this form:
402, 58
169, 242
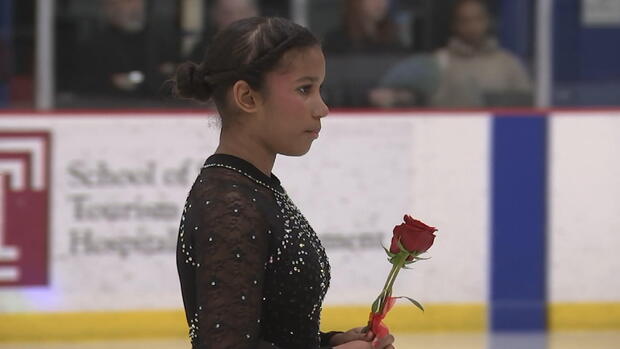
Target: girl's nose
322, 109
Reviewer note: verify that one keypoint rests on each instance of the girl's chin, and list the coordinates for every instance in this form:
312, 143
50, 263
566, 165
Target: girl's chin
296, 152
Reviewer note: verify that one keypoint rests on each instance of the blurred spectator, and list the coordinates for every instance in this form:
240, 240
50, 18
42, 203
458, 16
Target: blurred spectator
4, 74
471, 71
129, 58
366, 28
4, 62
221, 14
412, 82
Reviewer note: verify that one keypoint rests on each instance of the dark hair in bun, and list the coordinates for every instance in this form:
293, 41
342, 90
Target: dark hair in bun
245, 50
191, 82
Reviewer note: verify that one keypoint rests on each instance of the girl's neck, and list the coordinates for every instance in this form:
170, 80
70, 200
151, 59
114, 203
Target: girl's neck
248, 150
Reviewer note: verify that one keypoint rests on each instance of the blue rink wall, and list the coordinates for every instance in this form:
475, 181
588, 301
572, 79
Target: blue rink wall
528, 207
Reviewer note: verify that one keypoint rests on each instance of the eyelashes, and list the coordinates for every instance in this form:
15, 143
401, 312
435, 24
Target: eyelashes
305, 90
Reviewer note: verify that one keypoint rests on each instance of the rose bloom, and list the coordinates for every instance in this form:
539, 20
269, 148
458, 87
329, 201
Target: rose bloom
414, 235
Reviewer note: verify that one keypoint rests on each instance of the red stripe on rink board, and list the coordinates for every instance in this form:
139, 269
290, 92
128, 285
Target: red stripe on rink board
338, 112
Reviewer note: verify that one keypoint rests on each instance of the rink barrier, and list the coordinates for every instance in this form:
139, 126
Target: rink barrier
439, 317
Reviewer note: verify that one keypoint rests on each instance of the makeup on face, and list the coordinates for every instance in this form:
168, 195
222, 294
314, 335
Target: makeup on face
295, 105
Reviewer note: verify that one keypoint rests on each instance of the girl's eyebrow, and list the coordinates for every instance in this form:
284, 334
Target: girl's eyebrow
311, 78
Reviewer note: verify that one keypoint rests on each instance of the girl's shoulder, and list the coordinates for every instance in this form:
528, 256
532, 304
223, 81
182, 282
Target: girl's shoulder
221, 189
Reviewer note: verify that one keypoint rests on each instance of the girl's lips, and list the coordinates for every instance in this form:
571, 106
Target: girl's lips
315, 133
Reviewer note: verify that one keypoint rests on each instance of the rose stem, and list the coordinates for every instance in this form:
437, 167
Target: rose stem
387, 288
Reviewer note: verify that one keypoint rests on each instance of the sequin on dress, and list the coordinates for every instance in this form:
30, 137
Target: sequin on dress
253, 272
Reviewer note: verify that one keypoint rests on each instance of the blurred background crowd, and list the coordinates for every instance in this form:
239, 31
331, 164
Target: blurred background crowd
380, 53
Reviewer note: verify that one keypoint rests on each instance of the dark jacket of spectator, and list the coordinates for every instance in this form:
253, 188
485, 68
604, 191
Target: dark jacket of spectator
118, 63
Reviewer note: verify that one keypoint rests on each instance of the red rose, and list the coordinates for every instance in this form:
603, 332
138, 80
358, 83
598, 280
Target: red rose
414, 235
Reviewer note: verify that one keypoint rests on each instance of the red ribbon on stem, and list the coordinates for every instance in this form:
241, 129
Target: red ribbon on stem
375, 320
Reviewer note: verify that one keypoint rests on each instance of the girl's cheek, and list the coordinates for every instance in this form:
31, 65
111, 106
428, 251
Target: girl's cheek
292, 102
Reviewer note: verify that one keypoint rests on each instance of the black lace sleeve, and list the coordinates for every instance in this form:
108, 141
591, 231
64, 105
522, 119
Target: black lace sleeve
230, 243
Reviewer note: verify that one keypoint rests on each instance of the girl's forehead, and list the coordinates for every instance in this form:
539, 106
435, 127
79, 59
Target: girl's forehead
301, 62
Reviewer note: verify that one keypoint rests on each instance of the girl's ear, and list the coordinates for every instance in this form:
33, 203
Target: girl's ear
245, 97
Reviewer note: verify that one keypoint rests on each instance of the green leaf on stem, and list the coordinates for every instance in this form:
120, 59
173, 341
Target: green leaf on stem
416, 303
388, 252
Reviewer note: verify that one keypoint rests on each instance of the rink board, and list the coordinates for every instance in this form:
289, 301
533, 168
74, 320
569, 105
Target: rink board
363, 173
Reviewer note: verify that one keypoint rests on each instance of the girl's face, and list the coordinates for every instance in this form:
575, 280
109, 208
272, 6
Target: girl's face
291, 112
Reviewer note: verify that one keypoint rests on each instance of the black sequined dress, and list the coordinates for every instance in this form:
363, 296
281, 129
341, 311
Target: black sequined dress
253, 272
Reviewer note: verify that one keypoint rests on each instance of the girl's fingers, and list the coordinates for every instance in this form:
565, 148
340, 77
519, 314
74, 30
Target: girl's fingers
358, 330
385, 342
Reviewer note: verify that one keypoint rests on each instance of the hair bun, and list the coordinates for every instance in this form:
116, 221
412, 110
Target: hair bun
190, 82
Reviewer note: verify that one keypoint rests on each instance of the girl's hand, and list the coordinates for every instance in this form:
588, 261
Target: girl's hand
356, 339
354, 334
384, 343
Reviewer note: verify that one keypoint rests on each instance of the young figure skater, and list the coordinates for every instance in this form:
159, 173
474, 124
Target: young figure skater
253, 272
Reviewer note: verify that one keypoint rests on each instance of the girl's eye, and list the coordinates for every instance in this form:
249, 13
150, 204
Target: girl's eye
304, 90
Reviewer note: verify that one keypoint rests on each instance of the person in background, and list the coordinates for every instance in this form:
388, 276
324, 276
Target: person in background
128, 58
366, 28
472, 70
221, 14
4, 66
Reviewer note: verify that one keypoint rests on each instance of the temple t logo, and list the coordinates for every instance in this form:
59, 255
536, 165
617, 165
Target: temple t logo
24, 207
